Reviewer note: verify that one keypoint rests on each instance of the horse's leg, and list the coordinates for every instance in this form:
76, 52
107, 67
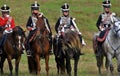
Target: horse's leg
109, 56
68, 66
118, 66
10, 64
38, 64
47, 64
30, 67
62, 65
99, 63
75, 65
17, 65
106, 63
2, 64
57, 64
99, 57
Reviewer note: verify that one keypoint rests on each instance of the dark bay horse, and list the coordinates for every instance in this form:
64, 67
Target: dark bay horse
67, 47
12, 49
99, 53
40, 47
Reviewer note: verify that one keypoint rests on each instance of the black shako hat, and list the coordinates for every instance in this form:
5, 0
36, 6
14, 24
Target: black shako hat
35, 6
106, 4
65, 7
5, 8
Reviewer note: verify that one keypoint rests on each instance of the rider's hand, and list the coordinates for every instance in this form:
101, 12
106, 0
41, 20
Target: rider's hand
9, 20
29, 28
101, 28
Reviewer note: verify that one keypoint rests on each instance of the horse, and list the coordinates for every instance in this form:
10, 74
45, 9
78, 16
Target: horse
110, 48
68, 47
40, 47
12, 49
99, 53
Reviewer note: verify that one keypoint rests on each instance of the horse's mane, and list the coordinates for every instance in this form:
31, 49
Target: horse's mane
71, 40
40, 24
19, 30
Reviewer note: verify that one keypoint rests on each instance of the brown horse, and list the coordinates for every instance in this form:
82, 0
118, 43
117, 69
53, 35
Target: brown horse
40, 47
67, 47
12, 49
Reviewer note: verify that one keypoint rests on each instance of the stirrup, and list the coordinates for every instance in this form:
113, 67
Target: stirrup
28, 53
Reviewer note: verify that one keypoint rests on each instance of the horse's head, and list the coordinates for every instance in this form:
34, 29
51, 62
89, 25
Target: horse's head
19, 37
116, 28
41, 26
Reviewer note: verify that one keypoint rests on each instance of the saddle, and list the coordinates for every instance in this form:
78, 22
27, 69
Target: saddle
102, 39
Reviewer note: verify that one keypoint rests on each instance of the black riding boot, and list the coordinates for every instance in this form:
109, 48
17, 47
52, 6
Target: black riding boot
1, 42
28, 48
28, 45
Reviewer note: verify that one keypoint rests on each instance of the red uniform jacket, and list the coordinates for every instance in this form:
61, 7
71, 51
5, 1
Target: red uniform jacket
3, 22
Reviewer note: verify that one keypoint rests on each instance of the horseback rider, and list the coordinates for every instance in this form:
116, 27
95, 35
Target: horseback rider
6, 22
104, 22
31, 26
67, 22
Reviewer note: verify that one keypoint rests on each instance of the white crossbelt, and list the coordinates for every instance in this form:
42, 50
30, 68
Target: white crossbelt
73, 20
46, 25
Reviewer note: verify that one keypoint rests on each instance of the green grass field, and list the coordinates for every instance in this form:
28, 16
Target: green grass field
86, 13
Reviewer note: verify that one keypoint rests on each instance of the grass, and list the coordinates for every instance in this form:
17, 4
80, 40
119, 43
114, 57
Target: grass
86, 13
